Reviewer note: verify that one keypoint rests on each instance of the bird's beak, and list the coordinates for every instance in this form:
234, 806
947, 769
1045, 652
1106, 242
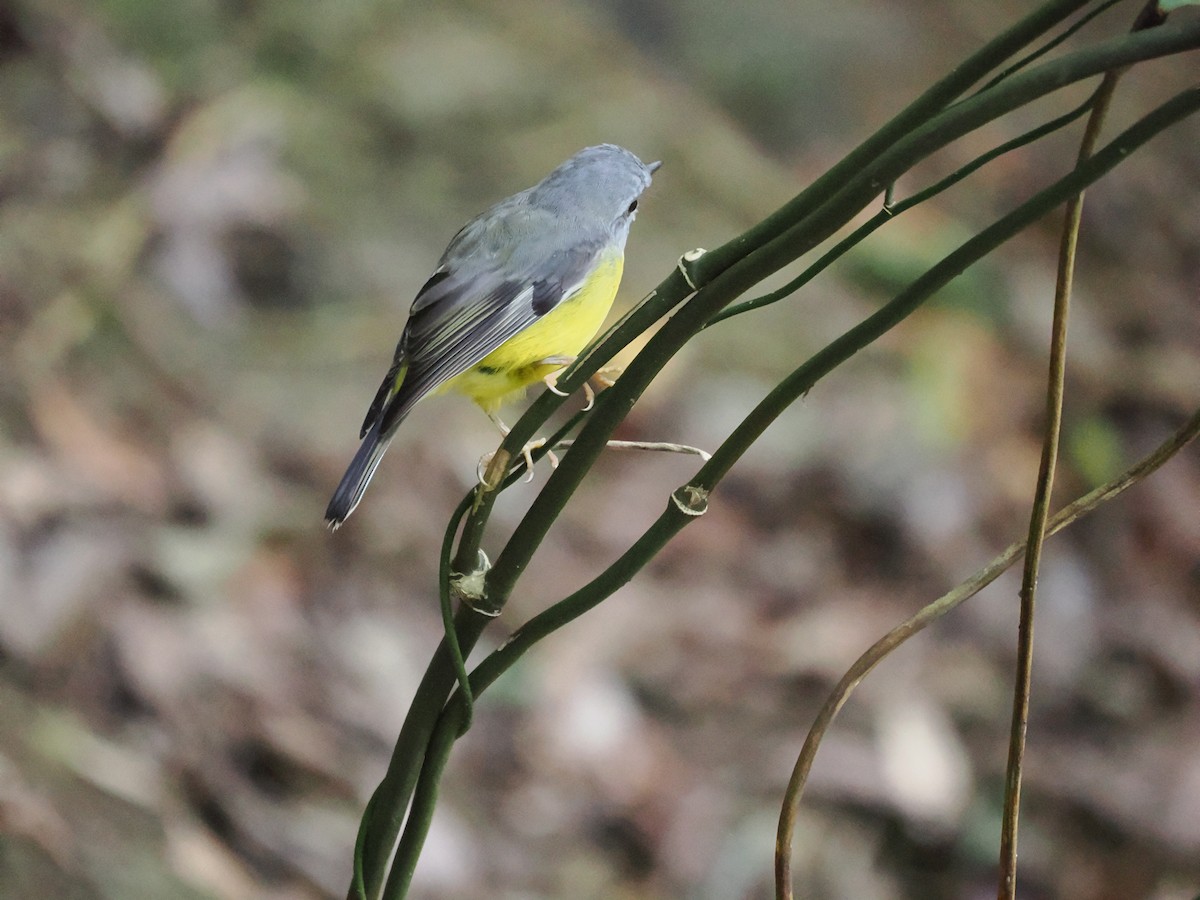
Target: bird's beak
653, 167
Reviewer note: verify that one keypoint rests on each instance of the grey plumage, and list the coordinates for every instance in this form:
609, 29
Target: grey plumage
501, 272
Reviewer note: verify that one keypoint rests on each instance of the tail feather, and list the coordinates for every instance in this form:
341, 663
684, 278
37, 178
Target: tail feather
354, 483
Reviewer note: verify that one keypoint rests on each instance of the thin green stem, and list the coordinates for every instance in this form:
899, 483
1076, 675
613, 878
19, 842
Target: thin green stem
721, 277
893, 209
739, 276
953, 123
803, 378
500, 660
384, 815
358, 889
612, 407
864, 156
679, 512
1057, 40
420, 817
677, 288
386, 811
452, 645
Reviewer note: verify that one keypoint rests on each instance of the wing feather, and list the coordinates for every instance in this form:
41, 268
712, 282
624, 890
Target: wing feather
489, 286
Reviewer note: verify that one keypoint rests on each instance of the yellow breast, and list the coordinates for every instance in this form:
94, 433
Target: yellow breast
562, 332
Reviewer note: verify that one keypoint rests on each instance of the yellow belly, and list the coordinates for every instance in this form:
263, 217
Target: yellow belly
562, 332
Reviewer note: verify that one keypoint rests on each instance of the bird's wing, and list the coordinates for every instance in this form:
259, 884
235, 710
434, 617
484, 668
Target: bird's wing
490, 285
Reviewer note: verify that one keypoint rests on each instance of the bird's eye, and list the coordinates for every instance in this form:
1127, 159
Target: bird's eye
632, 207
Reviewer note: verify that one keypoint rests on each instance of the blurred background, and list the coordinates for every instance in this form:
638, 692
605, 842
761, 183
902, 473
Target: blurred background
213, 218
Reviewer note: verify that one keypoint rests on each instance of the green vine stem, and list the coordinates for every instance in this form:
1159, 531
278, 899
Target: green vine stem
680, 285
802, 379
687, 502
612, 406
891, 210
700, 287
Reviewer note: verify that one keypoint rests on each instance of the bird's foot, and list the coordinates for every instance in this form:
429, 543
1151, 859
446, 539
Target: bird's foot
605, 378
491, 473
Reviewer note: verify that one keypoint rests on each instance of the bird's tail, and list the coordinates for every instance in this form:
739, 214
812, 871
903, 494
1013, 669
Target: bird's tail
355, 481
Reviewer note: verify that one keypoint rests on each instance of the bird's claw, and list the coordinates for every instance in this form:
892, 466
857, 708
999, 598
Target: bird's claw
490, 479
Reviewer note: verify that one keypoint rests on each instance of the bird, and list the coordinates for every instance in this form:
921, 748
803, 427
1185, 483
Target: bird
518, 293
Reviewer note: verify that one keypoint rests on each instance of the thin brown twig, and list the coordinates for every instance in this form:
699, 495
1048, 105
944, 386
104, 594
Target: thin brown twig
1022, 688
1055, 386
935, 610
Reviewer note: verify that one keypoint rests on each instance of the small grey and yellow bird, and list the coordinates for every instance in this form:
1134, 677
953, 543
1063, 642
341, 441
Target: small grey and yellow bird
516, 296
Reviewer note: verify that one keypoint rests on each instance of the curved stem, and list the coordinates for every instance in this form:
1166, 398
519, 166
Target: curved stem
795, 228
894, 209
951, 124
386, 810
864, 156
420, 817
1056, 41
802, 379
721, 276
746, 272
934, 611
444, 575
500, 660
679, 513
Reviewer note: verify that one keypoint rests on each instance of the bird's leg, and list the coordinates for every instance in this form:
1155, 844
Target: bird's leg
604, 379
498, 422
490, 475
601, 380
491, 479
551, 380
